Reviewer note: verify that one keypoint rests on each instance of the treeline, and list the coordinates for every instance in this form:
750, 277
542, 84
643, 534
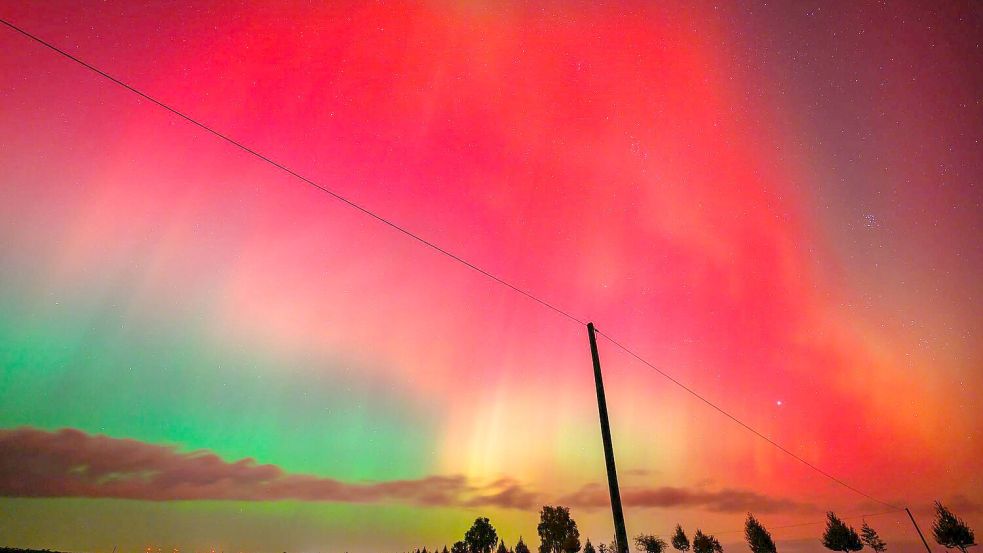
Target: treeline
558, 533
18, 550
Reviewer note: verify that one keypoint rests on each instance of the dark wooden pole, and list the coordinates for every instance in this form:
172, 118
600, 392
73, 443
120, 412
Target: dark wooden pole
620, 534
919, 530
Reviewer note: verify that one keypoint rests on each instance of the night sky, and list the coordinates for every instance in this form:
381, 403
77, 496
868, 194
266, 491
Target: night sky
778, 204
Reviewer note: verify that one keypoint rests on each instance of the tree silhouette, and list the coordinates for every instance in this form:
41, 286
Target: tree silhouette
870, 538
557, 531
705, 543
482, 537
950, 531
502, 548
840, 537
589, 547
648, 543
758, 538
459, 547
679, 540
610, 547
521, 547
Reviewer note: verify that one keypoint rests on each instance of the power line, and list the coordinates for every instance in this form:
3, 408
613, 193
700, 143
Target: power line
293, 173
423, 241
852, 517
738, 421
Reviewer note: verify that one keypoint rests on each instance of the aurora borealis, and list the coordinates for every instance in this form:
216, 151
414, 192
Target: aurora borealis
779, 205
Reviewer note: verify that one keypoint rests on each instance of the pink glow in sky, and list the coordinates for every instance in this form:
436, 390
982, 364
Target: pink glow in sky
777, 205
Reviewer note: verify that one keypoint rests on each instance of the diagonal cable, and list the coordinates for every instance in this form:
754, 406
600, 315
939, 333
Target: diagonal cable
295, 174
425, 242
742, 423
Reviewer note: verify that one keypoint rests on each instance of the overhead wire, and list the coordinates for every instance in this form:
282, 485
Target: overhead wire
746, 426
430, 244
293, 173
815, 523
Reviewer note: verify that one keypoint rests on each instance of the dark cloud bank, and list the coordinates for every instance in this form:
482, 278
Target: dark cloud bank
72, 463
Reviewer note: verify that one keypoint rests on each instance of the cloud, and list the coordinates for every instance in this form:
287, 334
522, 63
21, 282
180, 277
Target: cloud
960, 504
506, 493
636, 472
72, 463
722, 501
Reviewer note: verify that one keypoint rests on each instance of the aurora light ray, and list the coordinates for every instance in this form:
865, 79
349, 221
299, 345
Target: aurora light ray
776, 205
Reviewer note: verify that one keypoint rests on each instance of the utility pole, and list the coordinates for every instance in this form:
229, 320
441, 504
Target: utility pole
919, 530
620, 534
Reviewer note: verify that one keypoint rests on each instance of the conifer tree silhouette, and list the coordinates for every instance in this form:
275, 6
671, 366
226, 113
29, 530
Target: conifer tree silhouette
679, 540
840, 537
705, 543
870, 538
758, 538
521, 547
951, 531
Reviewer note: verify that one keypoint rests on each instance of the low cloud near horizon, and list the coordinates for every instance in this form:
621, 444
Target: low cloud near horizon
71, 463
